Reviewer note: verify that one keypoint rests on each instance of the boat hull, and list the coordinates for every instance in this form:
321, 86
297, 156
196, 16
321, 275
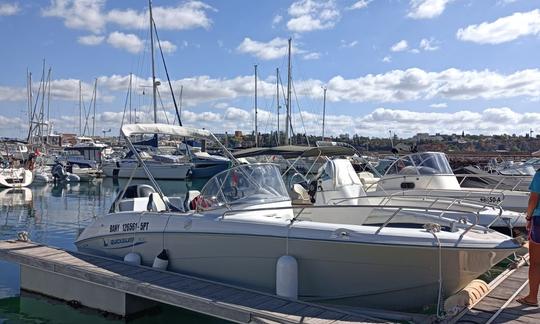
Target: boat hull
336, 272
15, 178
158, 171
208, 169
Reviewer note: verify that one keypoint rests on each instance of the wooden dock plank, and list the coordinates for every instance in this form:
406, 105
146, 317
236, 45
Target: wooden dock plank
215, 299
499, 305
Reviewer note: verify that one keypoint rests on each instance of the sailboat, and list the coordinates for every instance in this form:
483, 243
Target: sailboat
162, 166
165, 166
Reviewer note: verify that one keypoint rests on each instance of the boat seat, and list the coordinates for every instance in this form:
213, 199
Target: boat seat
156, 203
137, 204
190, 195
367, 178
138, 191
301, 191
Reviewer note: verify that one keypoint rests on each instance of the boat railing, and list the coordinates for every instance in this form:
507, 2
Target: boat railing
453, 204
395, 208
466, 196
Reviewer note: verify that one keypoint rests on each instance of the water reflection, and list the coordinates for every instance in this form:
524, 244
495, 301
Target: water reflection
54, 214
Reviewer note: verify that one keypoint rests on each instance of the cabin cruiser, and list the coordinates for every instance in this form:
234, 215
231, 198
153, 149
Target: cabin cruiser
238, 227
430, 173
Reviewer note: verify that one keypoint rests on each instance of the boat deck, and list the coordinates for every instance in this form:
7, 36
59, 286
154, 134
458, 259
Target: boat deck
499, 304
53, 267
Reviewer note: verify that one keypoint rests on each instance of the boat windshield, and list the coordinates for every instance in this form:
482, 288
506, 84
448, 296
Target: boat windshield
427, 163
245, 184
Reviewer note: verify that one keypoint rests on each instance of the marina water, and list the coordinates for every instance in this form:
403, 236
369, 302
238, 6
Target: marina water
54, 215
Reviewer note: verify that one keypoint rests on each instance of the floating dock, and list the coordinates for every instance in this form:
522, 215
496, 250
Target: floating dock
120, 288
499, 304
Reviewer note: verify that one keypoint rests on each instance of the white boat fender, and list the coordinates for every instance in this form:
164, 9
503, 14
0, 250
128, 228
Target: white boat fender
133, 258
287, 277
161, 261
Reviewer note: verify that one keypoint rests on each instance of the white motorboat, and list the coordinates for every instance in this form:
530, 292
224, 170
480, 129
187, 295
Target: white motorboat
161, 167
430, 173
338, 183
242, 223
11, 177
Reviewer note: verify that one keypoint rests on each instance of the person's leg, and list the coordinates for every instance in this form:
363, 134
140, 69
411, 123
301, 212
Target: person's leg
534, 268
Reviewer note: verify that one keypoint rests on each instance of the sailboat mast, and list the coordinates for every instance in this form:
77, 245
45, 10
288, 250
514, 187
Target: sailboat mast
42, 108
277, 105
323, 111
256, 112
80, 108
180, 106
29, 91
288, 116
154, 86
129, 92
94, 117
49, 104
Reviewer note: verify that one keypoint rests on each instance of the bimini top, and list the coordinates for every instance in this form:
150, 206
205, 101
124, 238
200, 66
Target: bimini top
137, 129
294, 151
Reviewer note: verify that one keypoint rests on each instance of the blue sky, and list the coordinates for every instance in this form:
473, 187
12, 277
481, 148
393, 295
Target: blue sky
403, 65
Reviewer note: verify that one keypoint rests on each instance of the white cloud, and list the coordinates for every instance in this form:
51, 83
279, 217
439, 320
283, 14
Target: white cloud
276, 20
387, 59
9, 9
91, 40
439, 105
12, 94
493, 120
188, 15
78, 14
453, 84
90, 15
400, 46
345, 44
309, 15
496, 120
426, 9
428, 44
129, 42
390, 87
360, 4
502, 30
167, 46
274, 49
312, 56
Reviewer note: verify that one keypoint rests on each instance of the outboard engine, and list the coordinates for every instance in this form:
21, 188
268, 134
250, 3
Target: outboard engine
59, 172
